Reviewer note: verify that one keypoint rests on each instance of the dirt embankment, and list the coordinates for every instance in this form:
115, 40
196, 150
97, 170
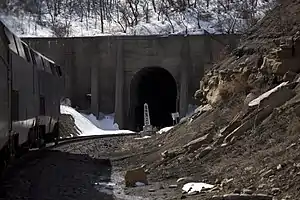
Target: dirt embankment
249, 139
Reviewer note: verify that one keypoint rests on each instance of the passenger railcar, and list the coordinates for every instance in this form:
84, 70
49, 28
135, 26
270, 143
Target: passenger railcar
30, 93
4, 96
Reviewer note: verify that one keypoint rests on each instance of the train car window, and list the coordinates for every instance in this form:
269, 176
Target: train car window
46, 65
20, 47
33, 68
3, 49
12, 43
52, 66
58, 69
39, 62
27, 55
42, 105
32, 57
43, 63
15, 105
15, 42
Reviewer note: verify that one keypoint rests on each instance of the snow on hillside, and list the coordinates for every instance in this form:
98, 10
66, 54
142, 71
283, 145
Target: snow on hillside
85, 126
25, 26
192, 20
164, 130
106, 123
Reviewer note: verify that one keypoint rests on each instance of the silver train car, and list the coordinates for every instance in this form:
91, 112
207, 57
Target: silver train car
31, 87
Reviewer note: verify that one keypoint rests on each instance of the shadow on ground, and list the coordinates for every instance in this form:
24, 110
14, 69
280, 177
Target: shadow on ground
55, 175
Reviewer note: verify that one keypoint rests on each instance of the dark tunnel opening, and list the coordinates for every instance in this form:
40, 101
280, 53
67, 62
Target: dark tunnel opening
157, 87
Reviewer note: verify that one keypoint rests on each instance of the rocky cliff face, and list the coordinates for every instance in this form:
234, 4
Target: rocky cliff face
251, 71
268, 55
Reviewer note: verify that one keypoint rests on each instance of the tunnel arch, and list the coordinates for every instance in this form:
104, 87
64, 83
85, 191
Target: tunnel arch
157, 87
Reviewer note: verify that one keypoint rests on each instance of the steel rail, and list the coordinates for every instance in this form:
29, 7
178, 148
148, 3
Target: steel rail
38, 153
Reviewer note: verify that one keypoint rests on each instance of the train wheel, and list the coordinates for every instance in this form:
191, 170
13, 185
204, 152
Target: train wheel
12, 147
22, 150
4, 156
56, 133
41, 137
42, 143
4, 165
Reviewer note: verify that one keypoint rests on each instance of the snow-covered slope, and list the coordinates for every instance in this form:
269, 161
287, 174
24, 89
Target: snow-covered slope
85, 126
106, 123
164, 130
158, 18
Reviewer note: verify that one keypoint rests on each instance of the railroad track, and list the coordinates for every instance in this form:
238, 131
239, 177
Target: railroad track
93, 137
38, 153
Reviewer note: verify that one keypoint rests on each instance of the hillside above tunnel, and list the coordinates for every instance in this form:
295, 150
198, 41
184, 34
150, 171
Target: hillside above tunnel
62, 18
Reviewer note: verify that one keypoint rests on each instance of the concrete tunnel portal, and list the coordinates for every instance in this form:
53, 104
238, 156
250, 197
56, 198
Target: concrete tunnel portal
157, 87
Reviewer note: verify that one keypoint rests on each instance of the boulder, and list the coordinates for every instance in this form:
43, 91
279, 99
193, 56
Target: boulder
280, 67
204, 152
243, 197
238, 131
199, 94
246, 73
242, 64
289, 76
260, 115
197, 143
135, 175
297, 78
201, 84
172, 153
250, 97
204, 108
274, 97
291, 65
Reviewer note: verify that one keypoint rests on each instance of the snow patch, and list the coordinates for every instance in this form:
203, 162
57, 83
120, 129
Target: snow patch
105, 187
106, 184
142, 138
139, 184
106, 123
85, 126
265, 95
196, 187
164, 130
25, 26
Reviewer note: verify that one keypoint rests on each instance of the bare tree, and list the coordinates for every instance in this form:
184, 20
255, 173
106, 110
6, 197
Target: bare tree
133, 5
146, 11
231, 15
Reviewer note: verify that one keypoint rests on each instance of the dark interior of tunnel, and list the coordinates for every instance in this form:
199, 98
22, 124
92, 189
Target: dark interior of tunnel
157, 87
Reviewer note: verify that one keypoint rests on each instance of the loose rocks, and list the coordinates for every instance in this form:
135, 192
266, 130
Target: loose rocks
242, 197
135, 175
